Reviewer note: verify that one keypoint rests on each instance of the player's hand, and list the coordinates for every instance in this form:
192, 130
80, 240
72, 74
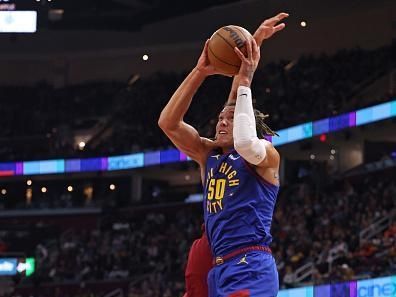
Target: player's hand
269, 27
248, 63
203, 64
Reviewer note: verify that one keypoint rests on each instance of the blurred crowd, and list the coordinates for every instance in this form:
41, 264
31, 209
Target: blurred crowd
317, 223
120, 118
322, 225
318, 219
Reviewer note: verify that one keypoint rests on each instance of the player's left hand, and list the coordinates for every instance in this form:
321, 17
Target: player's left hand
203, 64
269, 27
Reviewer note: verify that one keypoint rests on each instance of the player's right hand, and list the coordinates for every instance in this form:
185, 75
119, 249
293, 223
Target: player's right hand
249, 63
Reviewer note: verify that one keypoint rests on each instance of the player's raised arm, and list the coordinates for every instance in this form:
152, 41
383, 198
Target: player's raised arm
256, 151
184, 136
265, 31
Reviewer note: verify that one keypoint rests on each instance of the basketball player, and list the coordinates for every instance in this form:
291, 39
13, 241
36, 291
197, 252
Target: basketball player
198, 265
240, 177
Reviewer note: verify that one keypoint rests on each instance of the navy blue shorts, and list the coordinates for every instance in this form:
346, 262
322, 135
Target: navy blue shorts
253, 274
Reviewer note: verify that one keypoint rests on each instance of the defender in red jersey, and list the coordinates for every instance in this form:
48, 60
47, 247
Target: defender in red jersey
198, 265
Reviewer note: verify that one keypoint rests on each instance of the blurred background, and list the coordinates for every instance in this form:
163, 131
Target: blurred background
95, 200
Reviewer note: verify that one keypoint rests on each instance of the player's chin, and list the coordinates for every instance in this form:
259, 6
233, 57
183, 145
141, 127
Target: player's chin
224, 141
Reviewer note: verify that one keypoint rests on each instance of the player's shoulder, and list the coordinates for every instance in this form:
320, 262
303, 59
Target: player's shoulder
209, 143
208, 146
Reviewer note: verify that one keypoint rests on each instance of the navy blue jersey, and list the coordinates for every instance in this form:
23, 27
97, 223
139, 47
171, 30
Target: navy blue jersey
238, 204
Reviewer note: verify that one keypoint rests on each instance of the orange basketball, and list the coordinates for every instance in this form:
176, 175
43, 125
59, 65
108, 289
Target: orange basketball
221, 45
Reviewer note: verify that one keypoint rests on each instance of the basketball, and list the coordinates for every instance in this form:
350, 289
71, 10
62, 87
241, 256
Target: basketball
221, 45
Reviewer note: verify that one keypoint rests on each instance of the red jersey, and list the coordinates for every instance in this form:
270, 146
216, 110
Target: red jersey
198, 265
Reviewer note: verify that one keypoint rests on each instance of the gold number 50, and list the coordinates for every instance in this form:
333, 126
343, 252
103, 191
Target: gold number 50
216, 189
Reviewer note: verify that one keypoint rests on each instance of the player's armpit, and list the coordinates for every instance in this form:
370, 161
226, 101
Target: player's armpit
187, 139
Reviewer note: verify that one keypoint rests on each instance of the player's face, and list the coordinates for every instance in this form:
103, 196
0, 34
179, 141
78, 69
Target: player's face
224, 127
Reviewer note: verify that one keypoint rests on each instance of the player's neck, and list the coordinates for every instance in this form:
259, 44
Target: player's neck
226, 150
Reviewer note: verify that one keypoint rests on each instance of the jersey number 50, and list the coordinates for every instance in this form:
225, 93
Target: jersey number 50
216, 189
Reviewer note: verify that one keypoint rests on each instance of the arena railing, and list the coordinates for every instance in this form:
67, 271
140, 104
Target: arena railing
303, 272
115, 293
377, 227
307, 270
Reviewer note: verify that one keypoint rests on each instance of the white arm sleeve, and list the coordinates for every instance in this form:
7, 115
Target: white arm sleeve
246, 142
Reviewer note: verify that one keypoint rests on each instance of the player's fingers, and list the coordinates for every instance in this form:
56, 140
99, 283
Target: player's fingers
276, 19
282, 15
248, 45
239, 54
205, 48
255, 50
279, 27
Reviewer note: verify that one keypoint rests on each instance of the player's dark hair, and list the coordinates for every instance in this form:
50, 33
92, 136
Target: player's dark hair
261, 127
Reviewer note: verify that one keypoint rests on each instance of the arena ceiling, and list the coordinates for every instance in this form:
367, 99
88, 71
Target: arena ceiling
120, 15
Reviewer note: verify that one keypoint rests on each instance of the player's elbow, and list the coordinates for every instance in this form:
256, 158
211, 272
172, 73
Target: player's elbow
165, 123
162, 123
